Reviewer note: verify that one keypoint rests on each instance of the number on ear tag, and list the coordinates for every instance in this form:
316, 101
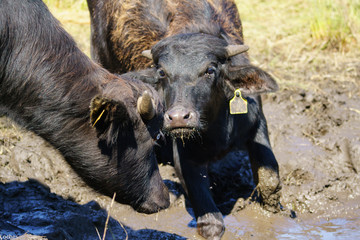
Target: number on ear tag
238, 105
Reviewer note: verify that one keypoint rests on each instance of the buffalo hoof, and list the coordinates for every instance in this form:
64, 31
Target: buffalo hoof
269, 188
211, 226
272, 203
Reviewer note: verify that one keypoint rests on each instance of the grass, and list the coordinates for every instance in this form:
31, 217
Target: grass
335, 23
75, 18
67, 4
300, 42
323, 24
9, 133
319, 24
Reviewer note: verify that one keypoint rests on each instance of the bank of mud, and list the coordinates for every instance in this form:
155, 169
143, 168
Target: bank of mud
315, 134
314, 124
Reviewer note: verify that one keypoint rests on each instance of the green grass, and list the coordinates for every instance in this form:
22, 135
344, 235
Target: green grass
300, 42
335, 23
321, 24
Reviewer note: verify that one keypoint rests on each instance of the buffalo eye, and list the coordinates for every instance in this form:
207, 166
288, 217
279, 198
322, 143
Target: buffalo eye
210, 70
161, 73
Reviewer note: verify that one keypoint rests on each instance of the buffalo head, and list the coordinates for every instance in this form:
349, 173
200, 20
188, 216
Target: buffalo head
196, 74
127, 119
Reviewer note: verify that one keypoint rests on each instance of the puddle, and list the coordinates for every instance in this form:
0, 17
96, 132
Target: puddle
29, 207
319, 160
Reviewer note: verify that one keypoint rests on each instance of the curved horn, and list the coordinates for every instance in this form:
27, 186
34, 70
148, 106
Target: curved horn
145, 106
147, 53
232, 50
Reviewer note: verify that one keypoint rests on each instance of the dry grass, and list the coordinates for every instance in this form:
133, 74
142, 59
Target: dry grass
324, 24
335, 24
9, 133
301, 42
286, 38
74, 16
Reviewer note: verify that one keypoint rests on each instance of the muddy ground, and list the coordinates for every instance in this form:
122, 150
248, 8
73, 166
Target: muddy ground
315, 134
314, 124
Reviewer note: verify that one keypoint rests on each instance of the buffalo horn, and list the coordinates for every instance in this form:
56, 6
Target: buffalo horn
145, 106
232, 50
147, 53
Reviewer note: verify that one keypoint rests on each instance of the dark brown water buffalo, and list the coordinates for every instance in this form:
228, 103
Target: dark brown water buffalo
199, 66
95, 119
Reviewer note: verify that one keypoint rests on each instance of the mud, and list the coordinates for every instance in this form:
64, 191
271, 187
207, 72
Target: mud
315, 135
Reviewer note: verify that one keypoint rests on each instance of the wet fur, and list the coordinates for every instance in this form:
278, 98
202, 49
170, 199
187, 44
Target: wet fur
47, 85
120, 29
185, 37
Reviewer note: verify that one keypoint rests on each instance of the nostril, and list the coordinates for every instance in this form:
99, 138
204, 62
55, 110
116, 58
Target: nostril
179, 117
168, 117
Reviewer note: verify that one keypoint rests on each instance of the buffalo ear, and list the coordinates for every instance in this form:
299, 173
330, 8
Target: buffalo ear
250, 79
145, 76
104, 111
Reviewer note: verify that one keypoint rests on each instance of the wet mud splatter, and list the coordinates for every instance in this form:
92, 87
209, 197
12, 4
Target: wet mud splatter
315, 135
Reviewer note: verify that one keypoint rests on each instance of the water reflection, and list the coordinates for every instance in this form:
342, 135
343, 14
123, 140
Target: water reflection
272, 227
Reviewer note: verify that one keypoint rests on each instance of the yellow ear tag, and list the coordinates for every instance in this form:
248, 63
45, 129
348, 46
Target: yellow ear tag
238, 105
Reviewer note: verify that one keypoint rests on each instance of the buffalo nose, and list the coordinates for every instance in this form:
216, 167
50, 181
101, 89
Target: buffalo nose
179, 117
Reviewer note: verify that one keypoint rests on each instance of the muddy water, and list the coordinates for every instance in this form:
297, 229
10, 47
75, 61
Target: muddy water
315, 136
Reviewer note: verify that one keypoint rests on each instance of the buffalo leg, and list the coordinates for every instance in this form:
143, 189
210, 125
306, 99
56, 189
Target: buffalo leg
265, 168
195, 181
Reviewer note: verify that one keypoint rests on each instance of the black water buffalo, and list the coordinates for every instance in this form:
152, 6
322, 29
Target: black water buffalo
199, 66
94, 118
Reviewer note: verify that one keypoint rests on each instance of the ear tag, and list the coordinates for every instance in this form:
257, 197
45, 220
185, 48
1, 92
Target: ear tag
238, 105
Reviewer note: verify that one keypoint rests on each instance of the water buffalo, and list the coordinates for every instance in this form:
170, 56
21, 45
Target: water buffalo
199, 65
94, 118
